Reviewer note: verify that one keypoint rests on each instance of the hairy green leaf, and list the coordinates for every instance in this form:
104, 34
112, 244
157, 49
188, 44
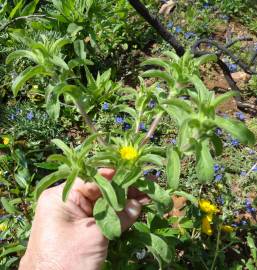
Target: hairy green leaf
237, 129
107, 219
173, 168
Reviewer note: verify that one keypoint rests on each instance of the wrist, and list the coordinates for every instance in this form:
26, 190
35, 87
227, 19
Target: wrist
27, 263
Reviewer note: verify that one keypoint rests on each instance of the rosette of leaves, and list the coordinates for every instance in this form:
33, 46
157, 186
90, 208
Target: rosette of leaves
140, 99
176, 71
71, 11
195, 116
129, 173
50, 62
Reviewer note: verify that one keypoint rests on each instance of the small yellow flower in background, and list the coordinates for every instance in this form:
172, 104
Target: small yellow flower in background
3, 227
6, 140
206, 225
227, 228
209, 217
207, 207
219, 186
128, 153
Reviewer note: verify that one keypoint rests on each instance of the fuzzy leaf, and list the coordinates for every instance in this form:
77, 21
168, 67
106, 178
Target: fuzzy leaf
109, 193
173, 169
204, 165
237, 129
27, 74
50, 179
107, 219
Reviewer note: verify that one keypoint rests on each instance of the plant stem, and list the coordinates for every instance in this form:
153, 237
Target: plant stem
216, 250
152, 128
88, 122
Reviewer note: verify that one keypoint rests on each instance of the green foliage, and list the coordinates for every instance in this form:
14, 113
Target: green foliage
69, 60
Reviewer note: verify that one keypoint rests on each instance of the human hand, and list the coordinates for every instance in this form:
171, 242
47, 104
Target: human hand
64, 236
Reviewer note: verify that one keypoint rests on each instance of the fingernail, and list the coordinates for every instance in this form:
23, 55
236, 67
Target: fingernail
133, 208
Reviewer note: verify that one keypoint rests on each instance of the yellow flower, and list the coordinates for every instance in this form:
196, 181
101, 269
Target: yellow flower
227, 228
6, 140
206, 225
219, 186
207, 207
209, 217
3, 227
128, 153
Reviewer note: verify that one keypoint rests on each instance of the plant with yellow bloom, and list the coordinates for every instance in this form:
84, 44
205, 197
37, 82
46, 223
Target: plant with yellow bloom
227, 228
6, 140
207, 207
206, 225
128, 153
3, 227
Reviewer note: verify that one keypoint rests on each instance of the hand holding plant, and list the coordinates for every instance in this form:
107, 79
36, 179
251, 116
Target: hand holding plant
65, 235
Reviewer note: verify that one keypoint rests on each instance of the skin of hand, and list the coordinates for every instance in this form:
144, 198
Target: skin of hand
64, 236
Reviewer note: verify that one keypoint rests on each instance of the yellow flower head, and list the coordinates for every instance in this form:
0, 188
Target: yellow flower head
207, 207
128, 153
206, 225
219, 186
6, 140
3, 227
227, 228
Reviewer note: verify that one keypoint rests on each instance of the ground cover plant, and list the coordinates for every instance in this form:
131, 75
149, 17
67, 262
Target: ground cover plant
162, 91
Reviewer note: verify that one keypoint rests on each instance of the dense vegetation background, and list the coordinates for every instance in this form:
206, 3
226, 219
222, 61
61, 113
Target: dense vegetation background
99, 47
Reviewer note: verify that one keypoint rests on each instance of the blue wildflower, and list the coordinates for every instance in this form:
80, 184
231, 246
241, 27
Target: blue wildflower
188, 35
170, 24
243, 173
244, 222
146, 172
105, 106
216, 167
224, 17
173, 141
12, 117
218, 131
119, 120
178, 29
158, 173
240, 116
142, 126
152, 104
255, 169
251, 152
18, 111
30, 115
234, 225
126, 126
248, 202
234, 142
220, 200
218, 177
206, 5
232, 67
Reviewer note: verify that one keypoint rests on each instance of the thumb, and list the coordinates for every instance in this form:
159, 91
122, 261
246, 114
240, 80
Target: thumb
130, 214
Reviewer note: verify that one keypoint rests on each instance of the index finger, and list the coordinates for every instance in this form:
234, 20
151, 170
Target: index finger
91, 190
